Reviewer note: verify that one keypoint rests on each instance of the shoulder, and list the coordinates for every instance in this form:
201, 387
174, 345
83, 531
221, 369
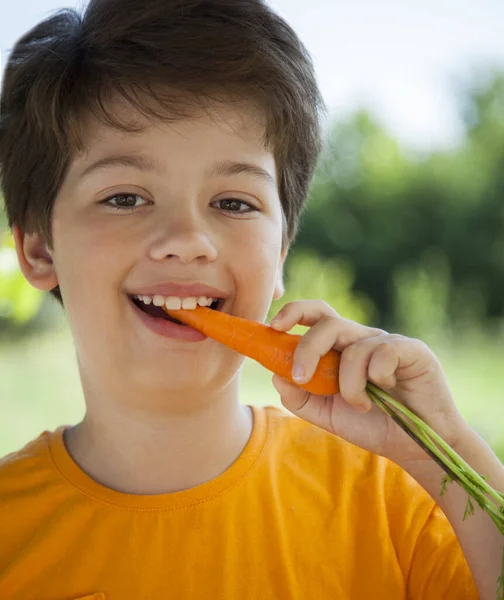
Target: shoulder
30, 467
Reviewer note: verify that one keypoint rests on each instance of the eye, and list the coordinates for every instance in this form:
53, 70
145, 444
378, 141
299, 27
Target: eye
124, 202
233, 205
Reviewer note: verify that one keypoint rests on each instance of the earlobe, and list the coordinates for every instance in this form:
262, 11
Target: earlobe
35, 260
279, 289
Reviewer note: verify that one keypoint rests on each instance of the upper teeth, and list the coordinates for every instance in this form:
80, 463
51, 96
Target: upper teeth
174, 302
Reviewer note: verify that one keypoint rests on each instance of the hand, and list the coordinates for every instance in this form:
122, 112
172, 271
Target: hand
405, 368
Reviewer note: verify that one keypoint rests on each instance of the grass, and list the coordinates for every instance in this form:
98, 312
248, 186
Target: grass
40, 387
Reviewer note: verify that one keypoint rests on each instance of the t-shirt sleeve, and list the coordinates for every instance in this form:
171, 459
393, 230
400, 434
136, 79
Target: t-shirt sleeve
438, 569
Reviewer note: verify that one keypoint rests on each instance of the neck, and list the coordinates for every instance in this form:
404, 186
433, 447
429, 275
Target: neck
133, 450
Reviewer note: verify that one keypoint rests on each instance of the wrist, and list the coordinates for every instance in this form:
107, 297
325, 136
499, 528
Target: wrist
427, 468
461, 438
473, 450
465, 440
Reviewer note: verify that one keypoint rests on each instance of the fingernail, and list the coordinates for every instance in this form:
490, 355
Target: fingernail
277, 318
275, 323
298, 372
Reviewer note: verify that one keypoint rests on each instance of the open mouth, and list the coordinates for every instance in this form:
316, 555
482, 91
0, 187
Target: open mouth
158, 313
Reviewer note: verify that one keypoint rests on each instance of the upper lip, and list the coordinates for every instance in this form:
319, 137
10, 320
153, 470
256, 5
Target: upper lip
182, 290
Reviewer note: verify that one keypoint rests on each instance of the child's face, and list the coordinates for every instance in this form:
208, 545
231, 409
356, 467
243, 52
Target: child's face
177, 231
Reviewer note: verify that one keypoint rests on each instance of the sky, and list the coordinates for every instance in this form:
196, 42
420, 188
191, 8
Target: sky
402, 59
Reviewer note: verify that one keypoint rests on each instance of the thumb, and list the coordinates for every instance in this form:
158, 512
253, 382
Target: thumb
292, 396
305, 405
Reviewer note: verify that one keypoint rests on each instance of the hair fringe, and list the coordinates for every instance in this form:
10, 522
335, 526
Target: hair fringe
168, 60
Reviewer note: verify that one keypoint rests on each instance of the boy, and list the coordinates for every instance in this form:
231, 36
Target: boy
160, 152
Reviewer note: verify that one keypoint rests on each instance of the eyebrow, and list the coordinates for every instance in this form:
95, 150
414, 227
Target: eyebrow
229, 167
147, 164
136, 161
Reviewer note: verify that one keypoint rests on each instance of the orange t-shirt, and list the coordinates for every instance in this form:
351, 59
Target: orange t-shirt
300, 514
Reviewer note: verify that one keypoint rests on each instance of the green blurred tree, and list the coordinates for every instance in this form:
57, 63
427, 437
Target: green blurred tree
389, 214
310, 277
19, 301
411, 230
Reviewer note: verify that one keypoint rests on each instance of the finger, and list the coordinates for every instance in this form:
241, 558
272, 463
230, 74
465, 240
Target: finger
310, 312
314, 344
354, 367
302, 312
303, 404
293, 397
395, 350
383, 365
328, 333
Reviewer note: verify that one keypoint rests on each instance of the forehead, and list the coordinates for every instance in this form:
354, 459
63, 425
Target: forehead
223, 139
123, 122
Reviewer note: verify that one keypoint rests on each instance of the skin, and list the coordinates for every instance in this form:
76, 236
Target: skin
412, 374
98, 255
177, 232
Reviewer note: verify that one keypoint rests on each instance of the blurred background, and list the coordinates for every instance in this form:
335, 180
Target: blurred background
405, 222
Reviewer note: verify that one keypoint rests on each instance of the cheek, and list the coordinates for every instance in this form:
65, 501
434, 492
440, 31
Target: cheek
261, 251
256, 271
87, 254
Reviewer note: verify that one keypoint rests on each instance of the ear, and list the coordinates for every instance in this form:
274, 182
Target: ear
279, 289
35, 260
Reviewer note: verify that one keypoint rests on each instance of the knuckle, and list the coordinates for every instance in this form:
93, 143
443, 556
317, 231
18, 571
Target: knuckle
374, 365
295, 303
344, 332
376, 331
392, 337
326, 308
344, 340
289, 307
384, 347
422, 346
350, 353
376, 376
329, 319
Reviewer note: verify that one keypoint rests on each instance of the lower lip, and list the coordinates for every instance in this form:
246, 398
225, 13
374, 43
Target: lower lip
168, 329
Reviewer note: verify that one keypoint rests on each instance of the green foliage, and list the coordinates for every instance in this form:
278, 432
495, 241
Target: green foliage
19, 301
419, 230
309, 276
414, 243
422, 295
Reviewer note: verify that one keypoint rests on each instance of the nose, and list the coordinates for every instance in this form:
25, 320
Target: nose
184, 238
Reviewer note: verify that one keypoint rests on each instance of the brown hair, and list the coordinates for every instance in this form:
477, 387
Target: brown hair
171, 54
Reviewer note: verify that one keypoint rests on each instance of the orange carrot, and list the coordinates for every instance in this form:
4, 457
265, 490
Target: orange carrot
272, 349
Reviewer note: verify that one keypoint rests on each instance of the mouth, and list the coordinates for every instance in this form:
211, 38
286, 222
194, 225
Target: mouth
146, 305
